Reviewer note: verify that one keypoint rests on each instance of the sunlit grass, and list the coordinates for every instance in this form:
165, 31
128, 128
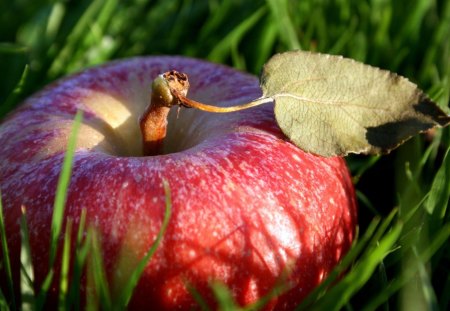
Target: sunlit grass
401, 251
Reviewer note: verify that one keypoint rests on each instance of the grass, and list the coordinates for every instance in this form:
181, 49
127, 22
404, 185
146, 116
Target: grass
402, 257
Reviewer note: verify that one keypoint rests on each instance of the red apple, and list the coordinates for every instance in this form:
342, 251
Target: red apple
249, 208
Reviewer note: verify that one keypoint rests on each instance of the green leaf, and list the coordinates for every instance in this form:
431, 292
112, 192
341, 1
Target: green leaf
330, 105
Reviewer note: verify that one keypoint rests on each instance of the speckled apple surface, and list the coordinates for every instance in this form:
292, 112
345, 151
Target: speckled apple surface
249, 208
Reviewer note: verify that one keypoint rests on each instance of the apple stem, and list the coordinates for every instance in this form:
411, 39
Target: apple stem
153, 122
153, 128
170, 89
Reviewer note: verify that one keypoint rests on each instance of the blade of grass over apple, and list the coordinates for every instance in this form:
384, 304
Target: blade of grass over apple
6, 264
330, 105
201, 302
58, 210
224, 297
65, 266
26, 266
41, 297
98, 295
81, 253
280, 288
61, 190
127, 289
226, 300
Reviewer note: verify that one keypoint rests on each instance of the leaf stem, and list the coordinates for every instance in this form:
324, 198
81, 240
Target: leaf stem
210, 108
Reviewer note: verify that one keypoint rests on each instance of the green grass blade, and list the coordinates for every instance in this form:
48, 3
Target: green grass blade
61, 192
17, 91
98, 294
224, 297
226, 301
73, 39
278, 290
94, 19
414, 19
439, 195
286, 29
26, 267
384, 227
81, 252
97, 45
65, 261
445, 297
3, 303
399, 282
359, 166
58, 210
128, 288
366, 203
340, 294
426, 286
217, 18
439, 239
366, 242
201, 302
13, 48
45, 287
223, 48
268, 34
5, 259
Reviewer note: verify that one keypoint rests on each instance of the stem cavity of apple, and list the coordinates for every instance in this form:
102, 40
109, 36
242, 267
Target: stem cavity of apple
168, 90
153, 122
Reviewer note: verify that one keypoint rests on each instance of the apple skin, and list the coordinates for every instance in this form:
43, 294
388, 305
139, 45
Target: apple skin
249, 208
